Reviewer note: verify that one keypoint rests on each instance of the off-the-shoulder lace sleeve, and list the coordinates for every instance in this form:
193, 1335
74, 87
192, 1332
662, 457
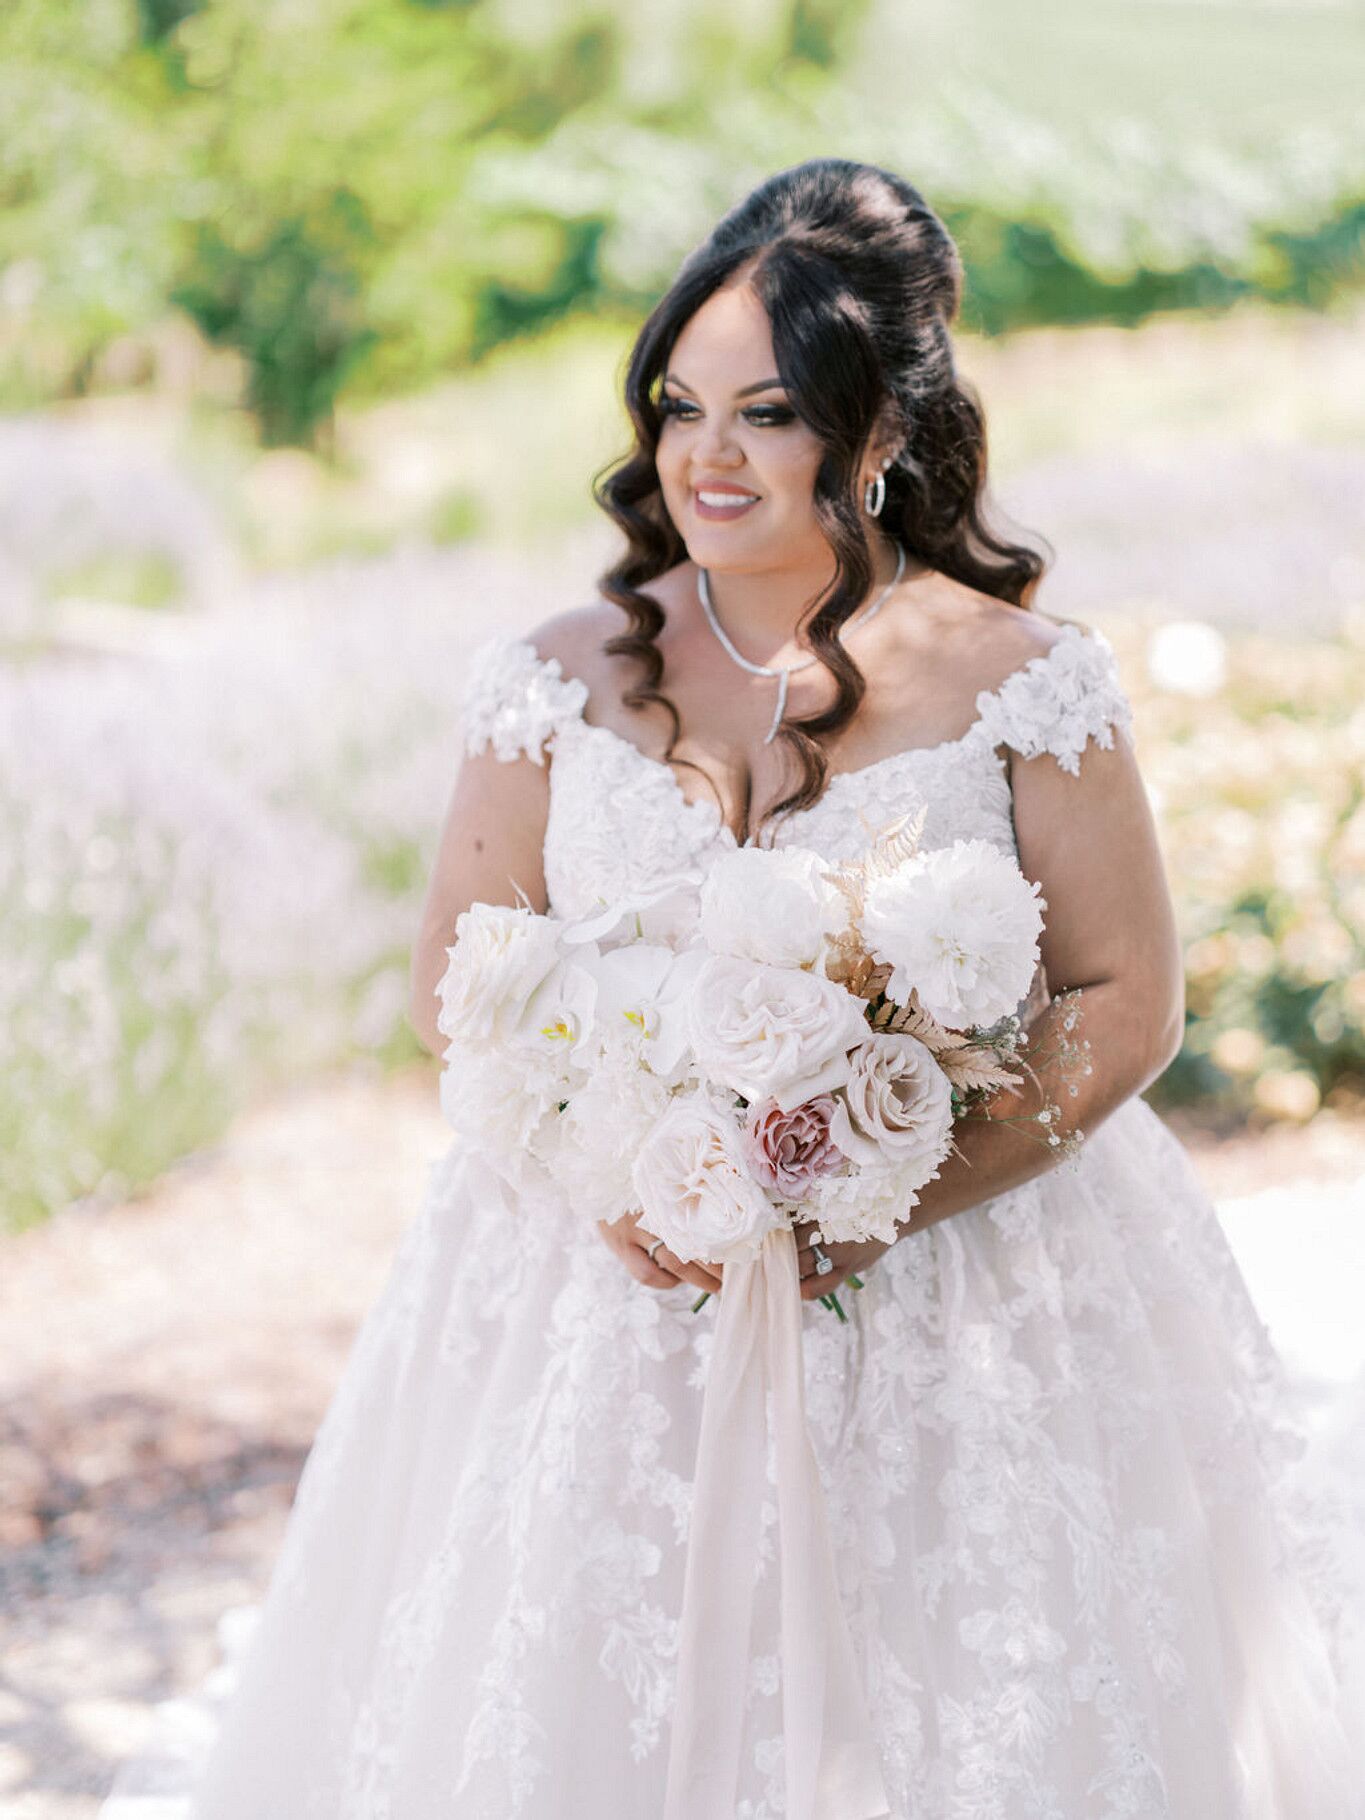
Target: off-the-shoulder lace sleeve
513, 699
1058, 700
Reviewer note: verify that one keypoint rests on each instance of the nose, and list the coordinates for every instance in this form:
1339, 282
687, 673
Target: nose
715, 447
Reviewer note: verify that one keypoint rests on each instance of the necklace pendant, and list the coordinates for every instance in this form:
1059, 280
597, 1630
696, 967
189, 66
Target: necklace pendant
780, 709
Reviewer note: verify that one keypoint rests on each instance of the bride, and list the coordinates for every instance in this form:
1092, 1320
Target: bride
1052, 1444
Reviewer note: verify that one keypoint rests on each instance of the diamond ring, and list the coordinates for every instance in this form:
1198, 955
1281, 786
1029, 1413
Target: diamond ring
824, 1263
650, 1250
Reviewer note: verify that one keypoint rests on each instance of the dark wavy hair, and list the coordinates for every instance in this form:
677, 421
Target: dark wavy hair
860, 280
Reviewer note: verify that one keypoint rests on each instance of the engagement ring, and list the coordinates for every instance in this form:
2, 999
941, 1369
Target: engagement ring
823, 1262
652, 1249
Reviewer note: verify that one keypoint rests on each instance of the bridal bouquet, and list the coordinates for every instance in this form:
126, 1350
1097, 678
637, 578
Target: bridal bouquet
777, 1040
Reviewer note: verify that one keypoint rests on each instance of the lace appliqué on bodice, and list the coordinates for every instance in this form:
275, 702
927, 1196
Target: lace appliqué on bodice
619, 818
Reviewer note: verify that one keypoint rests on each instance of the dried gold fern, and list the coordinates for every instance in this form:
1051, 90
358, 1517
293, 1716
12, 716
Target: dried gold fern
897, 842
976, 1070
913, 1020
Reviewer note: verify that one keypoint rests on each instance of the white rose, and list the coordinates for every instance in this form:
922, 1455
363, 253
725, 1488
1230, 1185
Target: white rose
895, 1108
772, 1032
960, 927
693, 1189
771, 904
499, 957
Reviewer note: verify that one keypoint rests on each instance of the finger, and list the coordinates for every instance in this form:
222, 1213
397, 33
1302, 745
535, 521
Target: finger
806, 1261
693, 1271
813, 1287
644, 1268
652, 1275
670, 1262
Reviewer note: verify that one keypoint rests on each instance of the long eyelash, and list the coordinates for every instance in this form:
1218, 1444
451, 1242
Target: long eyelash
778, 413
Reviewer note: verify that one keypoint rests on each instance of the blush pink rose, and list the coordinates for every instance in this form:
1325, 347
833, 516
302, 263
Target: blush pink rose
786, 1151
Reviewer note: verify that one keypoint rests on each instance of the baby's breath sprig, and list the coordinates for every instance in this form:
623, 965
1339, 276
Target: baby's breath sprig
1064, 1057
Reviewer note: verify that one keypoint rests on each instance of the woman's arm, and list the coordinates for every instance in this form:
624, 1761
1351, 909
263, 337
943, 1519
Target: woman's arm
491, 842
1110, 934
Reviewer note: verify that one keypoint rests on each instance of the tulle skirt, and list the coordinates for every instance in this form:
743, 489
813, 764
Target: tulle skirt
1059, 1455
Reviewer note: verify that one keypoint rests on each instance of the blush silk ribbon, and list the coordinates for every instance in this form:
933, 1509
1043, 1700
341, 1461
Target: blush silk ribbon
833, 1769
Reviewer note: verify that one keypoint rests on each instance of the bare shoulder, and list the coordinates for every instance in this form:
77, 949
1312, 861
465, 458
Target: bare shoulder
972, 641
576, 638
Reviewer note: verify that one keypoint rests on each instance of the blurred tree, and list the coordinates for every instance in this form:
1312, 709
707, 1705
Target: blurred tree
359, 194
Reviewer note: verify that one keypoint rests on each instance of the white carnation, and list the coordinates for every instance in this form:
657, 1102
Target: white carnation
500, 956
693, 1189
504, 1106
960, 927
861, 1203
607, 1121
771, 904
772, 1032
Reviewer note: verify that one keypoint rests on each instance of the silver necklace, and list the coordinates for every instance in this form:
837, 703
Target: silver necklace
781, 671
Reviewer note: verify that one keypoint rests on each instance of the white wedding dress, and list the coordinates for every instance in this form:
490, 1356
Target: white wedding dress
1056, 1445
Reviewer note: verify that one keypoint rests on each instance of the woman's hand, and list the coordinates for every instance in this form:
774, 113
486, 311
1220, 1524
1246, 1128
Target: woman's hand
630, 1241
631, 1244
849, 1259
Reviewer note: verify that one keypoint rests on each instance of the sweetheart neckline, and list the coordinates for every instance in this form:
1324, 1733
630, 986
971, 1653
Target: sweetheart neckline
1068, 631
707, 807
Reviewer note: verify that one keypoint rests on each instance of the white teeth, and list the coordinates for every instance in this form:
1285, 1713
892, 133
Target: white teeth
726, 499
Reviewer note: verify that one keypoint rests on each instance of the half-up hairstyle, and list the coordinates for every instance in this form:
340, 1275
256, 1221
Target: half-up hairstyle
860, 281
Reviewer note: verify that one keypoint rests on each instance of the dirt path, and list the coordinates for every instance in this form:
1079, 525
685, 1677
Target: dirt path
164, 1367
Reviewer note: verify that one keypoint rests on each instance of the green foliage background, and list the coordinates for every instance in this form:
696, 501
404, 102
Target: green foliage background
358, 195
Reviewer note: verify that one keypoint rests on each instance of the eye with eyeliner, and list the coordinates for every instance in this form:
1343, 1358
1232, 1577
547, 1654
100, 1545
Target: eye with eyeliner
773, 416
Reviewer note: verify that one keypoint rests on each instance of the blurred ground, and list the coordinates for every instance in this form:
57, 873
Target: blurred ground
167, 1363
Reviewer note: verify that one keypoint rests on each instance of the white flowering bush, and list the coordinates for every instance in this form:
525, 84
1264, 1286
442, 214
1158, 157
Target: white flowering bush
211, 863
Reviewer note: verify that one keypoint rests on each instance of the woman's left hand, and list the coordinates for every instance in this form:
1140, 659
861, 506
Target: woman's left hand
849, 1259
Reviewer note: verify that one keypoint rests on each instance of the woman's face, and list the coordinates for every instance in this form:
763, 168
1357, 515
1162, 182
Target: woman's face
728, 422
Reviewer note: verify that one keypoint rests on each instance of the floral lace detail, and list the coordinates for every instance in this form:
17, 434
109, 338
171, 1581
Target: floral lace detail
1057, 1448
514, 699
1057, 701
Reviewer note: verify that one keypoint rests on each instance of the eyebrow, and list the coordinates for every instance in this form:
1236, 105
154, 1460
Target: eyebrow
764, 385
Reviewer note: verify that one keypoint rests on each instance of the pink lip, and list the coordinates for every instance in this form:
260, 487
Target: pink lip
722, 514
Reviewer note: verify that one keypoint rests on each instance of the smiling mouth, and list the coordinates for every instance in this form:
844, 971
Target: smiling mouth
719, 504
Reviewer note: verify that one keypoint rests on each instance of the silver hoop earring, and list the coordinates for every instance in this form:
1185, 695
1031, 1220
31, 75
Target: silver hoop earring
874, 489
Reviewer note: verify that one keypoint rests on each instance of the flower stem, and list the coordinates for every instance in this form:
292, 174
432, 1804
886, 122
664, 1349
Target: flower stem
705, 1296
